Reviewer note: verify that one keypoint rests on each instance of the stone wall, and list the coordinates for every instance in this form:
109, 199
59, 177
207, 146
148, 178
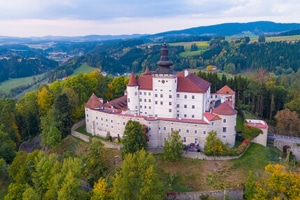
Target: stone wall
76, 134
234, 194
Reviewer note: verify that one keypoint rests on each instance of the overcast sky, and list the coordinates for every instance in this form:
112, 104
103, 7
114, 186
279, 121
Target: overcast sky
114, 17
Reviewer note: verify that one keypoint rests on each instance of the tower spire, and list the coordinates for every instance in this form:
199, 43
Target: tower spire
164, 63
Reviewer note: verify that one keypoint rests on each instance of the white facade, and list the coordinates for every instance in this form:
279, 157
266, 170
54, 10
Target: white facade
166, 101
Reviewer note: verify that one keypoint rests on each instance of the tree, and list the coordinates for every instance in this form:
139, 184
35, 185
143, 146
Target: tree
138, 178
213, 145
62, 114
27, 115
133, 138
277, 183
261, 39
229, 68
100, 191
7, 147
94, 162
44, 100
250, 186
288, 123
194, 47
173, 146
52, 138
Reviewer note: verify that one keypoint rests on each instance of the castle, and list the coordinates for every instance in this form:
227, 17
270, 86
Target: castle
165, 101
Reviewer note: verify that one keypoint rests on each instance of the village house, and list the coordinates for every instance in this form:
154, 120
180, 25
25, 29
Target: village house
165, 101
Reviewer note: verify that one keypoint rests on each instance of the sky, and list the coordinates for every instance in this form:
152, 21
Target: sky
26, 18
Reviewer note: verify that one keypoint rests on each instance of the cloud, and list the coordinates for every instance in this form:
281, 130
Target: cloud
77, 17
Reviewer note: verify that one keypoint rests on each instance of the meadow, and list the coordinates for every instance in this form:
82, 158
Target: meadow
6, 86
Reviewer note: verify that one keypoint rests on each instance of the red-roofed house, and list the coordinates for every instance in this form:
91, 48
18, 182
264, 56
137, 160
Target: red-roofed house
164, 100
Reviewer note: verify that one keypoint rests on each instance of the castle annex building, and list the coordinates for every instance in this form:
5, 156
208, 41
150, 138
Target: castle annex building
165, 101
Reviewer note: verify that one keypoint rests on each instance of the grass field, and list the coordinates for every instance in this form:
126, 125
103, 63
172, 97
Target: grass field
6, 86
84, 68
199, 175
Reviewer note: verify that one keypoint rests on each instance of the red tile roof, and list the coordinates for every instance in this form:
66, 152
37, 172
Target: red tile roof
224, 109
132, 80
147, 71
94, 102
225, 90
119, 103
191, 83
211, 117
145, 82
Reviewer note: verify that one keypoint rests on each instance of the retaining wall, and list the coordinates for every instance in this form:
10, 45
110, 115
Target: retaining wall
234, 194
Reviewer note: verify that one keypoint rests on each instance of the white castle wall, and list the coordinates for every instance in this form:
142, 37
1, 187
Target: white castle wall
100, 123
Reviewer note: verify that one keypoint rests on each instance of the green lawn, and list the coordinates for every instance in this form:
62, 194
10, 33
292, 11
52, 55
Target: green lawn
84, 69
6, 86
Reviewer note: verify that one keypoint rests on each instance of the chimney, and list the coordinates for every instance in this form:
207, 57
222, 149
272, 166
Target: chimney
186, 73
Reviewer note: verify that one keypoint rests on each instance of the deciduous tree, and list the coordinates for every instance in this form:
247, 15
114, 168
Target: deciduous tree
138, 178
133, 138
213, 145
173, 146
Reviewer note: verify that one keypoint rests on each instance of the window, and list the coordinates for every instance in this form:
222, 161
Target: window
224, 120
124, 123
161, 95
155, 95
161, 103
177, 105
196, 140
187, 131
149, 107
212, 123
87, 115
193, 106
204, 132
135, 93
165, 128
193, 116
149, 100
149, 93
144, 93
170, 96
170, 110
195, 131
177, 115
179, 130
170, 103
140, 93
184, 139
145, 107
178, 95
224, 129
96, 117
184, 115
111, 121
223, 136
128, 100
193, 97
155, 102
185, 96
141, 100
171, 129
185, 106
145, 100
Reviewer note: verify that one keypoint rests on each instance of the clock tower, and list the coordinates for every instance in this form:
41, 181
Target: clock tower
164, 86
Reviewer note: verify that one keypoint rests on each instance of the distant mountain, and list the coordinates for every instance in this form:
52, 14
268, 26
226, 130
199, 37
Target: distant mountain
225, 29
86, 38
229, 29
